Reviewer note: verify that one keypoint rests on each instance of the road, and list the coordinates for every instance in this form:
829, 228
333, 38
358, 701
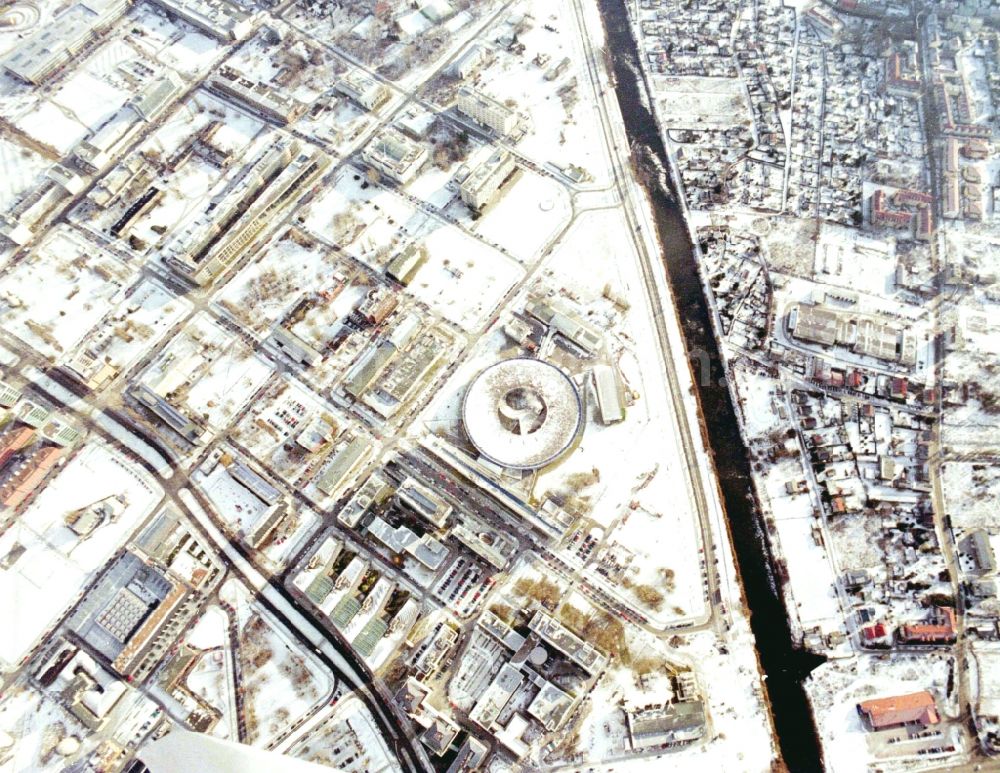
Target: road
344, 666
290, 611
642, 234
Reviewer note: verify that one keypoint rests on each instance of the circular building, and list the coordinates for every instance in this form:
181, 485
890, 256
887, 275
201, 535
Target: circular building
522, 413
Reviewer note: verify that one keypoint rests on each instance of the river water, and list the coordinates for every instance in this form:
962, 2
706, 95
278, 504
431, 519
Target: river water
784, 665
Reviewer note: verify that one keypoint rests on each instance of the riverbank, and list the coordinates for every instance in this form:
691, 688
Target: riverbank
784, 667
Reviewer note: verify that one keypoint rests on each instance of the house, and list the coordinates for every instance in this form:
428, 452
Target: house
916, 708
874, 635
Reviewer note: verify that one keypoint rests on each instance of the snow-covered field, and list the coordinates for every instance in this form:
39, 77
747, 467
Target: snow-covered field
56, 565
219, 372
836, 687
368, 221
67, 284
281, 680
530, 212
35, 725
21, 168
463, 279
557, 136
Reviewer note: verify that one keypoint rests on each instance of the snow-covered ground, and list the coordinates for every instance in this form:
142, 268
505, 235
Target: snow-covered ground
281, 681
40, 584
217, 372
835, 689
53, 298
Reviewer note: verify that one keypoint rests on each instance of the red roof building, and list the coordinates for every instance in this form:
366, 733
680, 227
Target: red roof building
882, 215
874, 632
14, 442
916, 708
23, 483
939, 629
898, 388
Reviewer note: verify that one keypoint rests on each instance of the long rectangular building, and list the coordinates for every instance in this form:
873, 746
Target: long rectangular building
208, 247
487, 111
482, 184
40, 56
26, 480
259, 97
219, 18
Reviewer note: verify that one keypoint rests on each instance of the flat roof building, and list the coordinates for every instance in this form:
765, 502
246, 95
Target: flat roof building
56, 42
363, 89
405, 265
207, 247
395, 155
674, 723
427, 550
487, 111
9, 395
815, 324
375, 491
258, 96
344, 461
470, 61
609, 399
294, 347
97, 151
568, 643
424, 502
219, 18
566, 324
171, 416
481, 186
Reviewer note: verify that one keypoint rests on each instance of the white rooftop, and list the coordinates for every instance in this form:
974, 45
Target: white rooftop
522, 413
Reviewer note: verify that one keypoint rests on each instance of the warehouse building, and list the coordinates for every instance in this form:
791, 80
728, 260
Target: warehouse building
95, 153
342, 464
566, 324
867, 334
609, 399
